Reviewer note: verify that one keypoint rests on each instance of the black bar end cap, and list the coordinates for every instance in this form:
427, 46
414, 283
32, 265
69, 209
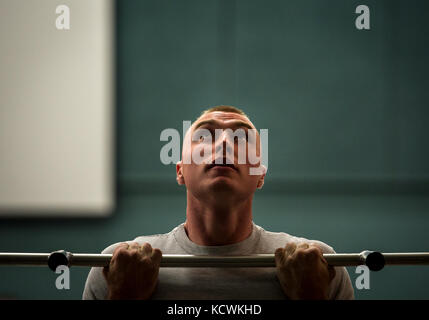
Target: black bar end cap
58, 258
375, 261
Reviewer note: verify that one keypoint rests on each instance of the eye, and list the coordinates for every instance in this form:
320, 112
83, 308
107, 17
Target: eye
202, 135
251, 137
240, 138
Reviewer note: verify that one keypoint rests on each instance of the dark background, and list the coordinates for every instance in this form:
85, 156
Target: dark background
347, 114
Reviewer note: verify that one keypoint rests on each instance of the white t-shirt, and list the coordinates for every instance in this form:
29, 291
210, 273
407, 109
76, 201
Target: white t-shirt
219, 283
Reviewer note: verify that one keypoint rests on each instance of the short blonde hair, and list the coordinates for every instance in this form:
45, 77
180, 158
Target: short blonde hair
223, 108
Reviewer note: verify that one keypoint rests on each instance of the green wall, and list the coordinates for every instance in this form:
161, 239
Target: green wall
346, 112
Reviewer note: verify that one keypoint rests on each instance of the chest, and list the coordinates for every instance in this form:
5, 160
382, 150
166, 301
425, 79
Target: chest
218, 283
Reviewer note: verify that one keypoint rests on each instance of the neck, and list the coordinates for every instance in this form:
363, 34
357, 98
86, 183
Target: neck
209, 224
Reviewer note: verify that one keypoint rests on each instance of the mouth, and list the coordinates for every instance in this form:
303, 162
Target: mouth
221, 166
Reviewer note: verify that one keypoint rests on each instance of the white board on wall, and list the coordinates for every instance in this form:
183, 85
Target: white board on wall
56, 108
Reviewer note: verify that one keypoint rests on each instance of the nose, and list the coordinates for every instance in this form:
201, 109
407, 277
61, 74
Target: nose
224, 147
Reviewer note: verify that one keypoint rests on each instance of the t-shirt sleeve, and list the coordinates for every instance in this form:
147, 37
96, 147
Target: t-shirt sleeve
95, 286
343, 289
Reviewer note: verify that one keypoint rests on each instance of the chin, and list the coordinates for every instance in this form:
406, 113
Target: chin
220, 191
221, 187
222, 183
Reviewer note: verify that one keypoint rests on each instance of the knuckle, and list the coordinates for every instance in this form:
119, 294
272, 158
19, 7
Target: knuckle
303, 245
146, 261
147, 245
279, 253
122, 246
290, 245
313, 253
289, 261
122, 253
294, 263
148, 265
133, 245
300, 254
134, 253
157, 254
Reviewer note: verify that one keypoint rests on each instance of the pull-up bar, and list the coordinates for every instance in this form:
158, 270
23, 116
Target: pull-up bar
374, 260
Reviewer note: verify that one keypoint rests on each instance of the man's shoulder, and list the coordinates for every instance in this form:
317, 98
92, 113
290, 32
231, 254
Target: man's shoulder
282, 238
155, 240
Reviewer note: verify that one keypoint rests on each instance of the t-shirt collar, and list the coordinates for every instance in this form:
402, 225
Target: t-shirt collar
240, 248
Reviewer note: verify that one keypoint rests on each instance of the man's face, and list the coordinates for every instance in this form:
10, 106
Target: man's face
204, 176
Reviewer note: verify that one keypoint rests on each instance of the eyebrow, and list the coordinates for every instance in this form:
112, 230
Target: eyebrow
235, 124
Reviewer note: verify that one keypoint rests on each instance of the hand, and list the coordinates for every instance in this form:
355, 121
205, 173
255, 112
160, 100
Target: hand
133, 271
303, 272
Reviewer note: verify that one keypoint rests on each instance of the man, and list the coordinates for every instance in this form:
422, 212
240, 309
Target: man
219, 222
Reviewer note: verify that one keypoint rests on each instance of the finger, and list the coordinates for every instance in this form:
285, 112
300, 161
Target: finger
146, 249
121, 246
156, 256
303, 245
279, 255
290, 249
315, 247
134, 246
120, 251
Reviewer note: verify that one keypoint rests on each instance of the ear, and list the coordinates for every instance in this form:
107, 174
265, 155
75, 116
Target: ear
262, 178
179, 173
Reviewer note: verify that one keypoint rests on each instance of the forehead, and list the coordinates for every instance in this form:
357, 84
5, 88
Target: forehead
224, 118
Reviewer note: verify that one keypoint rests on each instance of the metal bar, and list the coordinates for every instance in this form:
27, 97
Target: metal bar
23, 259
249, 261
171, 260
408, 258
187, 261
